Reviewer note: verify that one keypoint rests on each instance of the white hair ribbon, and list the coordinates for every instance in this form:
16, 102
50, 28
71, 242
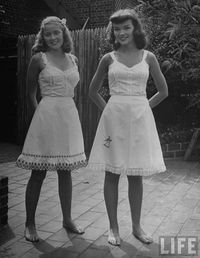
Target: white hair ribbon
63, 21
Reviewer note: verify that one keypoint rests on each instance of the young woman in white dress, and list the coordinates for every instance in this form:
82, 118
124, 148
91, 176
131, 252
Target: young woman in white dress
54, 140
126, 140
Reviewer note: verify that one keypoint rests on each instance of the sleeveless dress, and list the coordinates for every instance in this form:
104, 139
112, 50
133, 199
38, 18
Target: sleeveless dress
126, 140
54, 140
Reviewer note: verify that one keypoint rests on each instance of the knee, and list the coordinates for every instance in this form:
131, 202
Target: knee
111, 178
135, 180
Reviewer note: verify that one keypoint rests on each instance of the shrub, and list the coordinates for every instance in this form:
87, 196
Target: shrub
173, 30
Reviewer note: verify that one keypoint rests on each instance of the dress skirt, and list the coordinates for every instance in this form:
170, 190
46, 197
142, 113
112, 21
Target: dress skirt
126, 140
54, 140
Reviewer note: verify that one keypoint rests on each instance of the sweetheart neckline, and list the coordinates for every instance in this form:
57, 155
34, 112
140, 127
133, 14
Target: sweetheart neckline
60, 70
63, 71
127, 65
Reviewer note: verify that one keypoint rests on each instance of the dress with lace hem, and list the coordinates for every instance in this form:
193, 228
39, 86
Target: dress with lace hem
127, 171
126, 140
51, 163
54, 140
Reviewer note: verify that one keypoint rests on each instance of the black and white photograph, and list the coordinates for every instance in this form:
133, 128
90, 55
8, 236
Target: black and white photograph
100, 128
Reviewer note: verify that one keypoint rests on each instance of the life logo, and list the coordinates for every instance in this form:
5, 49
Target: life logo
179, 245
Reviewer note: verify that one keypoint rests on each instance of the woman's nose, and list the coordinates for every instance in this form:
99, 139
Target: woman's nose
52, 36
121, 32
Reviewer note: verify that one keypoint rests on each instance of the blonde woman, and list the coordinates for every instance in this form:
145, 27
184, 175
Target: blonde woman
54, 140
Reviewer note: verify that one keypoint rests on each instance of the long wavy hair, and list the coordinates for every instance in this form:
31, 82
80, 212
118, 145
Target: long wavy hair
40, 44
121, 16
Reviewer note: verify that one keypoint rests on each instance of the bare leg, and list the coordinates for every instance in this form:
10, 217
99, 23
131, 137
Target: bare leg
31, 200
111, 199
135, 193
65, 194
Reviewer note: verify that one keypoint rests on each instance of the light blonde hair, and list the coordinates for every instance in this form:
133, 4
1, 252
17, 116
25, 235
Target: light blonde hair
40, 44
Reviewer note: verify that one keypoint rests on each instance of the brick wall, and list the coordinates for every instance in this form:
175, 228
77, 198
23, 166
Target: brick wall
174, 150
99, 11
22, 16
121, 4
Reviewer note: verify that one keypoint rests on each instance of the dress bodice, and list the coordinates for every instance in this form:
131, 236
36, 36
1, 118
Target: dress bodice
54, 82
124, 80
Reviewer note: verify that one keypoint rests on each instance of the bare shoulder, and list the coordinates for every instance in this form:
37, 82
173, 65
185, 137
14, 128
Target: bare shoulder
36, 63
153, 63
150, 56
37, 57
106, 59
36, 60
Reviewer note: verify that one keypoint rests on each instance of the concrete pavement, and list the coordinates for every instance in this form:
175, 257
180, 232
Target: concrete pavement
171, 207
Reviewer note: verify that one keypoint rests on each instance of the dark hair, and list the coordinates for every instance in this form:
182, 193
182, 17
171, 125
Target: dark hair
40, 44
124, 15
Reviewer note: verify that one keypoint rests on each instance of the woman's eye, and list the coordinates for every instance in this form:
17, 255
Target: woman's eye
57, 32
46, 34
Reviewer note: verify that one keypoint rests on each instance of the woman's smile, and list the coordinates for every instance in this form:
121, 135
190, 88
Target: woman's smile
53, 35
124, 32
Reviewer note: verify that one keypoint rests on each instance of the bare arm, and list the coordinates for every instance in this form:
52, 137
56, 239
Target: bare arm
159, 81
32, 79
97, 81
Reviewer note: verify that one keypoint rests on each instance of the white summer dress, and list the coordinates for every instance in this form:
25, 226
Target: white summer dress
126, 140
54, 140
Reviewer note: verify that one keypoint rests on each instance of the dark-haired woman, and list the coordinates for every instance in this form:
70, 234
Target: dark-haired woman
126, 140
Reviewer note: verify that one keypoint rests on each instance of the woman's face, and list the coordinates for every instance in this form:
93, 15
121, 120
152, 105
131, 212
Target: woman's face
53, 35
124, 32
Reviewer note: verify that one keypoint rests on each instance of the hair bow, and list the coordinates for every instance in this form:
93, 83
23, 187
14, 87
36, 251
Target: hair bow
63, 21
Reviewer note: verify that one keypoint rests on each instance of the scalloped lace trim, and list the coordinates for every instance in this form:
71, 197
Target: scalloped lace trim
127, 171
58, 162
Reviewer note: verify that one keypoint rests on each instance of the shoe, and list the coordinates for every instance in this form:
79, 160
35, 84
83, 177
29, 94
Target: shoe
31, 236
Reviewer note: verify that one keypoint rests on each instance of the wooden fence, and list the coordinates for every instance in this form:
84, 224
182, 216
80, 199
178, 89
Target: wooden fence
86, 45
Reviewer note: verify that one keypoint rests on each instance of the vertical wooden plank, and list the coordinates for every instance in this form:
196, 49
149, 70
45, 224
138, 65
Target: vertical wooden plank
92, 109
81, 39
19, 65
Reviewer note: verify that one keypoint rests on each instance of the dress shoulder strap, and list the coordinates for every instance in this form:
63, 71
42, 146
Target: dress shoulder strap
144, 54
112, 54
44, 58
73, 58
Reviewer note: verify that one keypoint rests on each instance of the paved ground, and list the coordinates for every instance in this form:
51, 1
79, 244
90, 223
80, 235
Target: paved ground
171, 207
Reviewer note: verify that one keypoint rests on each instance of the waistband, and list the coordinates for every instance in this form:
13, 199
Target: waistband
56, 96
57, 99
128, 98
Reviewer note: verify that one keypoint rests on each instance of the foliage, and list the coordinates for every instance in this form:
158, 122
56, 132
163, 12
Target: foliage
104, 47
173, 30
175, 134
